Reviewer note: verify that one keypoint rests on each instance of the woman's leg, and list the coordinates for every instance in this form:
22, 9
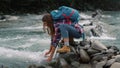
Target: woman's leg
66, 31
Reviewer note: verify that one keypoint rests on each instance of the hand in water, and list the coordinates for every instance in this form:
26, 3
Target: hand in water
49, 59
46, 54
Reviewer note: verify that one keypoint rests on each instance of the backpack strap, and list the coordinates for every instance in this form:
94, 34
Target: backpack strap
68, 17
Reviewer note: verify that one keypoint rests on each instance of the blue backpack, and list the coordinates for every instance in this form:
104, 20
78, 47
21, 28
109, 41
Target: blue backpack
66, 13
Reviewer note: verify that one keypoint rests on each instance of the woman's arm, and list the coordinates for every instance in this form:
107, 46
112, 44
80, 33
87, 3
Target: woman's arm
51, 53
48, 51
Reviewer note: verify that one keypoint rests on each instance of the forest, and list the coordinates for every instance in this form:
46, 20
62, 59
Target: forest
35, 6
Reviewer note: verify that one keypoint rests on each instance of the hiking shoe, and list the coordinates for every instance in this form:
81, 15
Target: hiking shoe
64, 49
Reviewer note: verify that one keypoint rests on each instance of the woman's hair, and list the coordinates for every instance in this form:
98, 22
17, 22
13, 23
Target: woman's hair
48, 19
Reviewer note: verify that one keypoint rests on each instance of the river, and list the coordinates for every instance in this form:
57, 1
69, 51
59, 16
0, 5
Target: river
23, 42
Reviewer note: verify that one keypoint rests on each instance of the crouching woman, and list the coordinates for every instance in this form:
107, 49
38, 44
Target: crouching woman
60, 29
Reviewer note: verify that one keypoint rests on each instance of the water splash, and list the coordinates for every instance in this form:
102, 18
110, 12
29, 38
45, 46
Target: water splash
22, 55
103, 37
9, 39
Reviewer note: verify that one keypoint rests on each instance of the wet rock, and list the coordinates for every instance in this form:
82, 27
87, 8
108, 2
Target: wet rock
69, 57
40, 67
92, 51
100, 64
117, 58
84, 57
96, 55
85, 42
2, 17
88, 30
98, 45
53, 64
63, 63
113, 49
85, 66
73, 49
75, 64
115, 65
95, 33
48, 67
93, 64
109, 62
110, 51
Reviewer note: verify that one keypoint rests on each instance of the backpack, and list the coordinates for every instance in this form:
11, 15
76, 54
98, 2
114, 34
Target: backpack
65, 13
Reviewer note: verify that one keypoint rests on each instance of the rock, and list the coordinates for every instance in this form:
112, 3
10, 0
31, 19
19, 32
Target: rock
2, 17
92, 51
84, 43
69, 57
95, 33
98, 57
53, 64
113, 49
117, 58
40, 67
93, 64
84, 57
88, 30
98, 45
100, 64
75, 64
95, 56
63, 63
48, 67
110, 62
115, 65
73, 49
110, 51
85, 66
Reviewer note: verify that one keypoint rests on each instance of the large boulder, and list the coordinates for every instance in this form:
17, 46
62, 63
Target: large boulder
98, 45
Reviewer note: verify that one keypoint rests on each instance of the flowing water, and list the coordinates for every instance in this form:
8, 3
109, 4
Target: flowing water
23, 42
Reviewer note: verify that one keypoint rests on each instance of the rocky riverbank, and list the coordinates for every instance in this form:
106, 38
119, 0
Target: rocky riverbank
86, 54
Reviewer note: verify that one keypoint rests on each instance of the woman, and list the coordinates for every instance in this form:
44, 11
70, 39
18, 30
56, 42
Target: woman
60, 29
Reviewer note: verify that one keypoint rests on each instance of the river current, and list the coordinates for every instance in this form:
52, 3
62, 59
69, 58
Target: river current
23, 42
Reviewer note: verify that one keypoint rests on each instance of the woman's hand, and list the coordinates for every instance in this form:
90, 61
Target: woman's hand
49, 51
49, 58
46, 54
51, 54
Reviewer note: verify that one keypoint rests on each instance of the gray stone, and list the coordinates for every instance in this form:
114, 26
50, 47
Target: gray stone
117, 58
92, 51
98, 45
75, 64
48, 67
110, 62
100, 64
73, 49
115, 65
63, 63
85, 66
84, 56
98, 57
